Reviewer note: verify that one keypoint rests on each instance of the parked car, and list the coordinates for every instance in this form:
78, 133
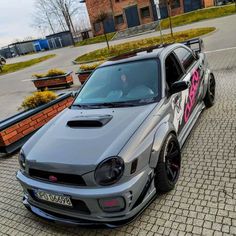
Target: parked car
103, 160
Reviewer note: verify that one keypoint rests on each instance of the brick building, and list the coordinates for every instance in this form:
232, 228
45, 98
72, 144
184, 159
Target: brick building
125, 14
183, 6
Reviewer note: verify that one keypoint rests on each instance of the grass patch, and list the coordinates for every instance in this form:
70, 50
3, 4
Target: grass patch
9, 68
103, 54
98, 39
202, 14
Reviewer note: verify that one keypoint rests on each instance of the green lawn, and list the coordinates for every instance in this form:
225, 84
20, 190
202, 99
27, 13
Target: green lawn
202, 14
98, 39
103, 54
9, 68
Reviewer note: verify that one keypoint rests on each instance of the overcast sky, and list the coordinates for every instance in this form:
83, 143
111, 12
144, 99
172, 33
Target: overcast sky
16, 20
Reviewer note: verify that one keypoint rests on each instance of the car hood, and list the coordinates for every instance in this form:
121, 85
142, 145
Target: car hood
64, 148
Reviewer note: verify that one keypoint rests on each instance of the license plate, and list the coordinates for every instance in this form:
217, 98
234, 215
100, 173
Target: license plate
54, 198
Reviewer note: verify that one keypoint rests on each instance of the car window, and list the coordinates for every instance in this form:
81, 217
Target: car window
133, 81
185, 57
173, 69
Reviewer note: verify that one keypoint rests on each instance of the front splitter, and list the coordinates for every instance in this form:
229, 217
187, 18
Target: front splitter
61, 219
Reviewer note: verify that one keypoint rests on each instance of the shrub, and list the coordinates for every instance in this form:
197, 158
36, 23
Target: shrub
90, 66
38, 76
119, 49
50, 73
97, 39
55, 72
201, 14
38, 99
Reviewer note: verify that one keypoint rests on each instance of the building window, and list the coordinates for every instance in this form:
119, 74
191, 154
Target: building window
97, 27
175, 4
145, 12
119, 19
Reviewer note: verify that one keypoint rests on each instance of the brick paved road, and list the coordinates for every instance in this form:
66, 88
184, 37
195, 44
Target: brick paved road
204, 201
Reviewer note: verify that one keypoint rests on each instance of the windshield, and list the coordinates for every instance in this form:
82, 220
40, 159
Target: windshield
128, 83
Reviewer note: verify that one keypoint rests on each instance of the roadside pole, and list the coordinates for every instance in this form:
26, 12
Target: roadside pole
170, 20
159, 19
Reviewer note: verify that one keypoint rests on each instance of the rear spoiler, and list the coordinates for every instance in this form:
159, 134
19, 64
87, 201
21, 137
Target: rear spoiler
195, 44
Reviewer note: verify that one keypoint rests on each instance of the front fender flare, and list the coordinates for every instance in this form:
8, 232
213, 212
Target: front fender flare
159, 138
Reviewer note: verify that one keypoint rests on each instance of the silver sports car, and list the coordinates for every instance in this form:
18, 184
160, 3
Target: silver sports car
103, 160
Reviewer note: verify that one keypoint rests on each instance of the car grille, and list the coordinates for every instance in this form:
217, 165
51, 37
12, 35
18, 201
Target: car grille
78, 205
68, 179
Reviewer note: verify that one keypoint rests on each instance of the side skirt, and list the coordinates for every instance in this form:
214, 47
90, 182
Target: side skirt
192, 120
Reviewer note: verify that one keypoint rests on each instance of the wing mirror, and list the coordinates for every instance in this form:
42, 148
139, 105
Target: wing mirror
179, 86
75, 93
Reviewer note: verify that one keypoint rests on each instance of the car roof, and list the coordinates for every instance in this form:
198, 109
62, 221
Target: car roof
141, 54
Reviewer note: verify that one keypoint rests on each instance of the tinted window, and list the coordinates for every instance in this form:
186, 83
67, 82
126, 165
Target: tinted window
173, 70
185, 57
134, 81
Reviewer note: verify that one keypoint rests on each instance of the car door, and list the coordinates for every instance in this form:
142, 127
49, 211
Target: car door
193, 74
173, 73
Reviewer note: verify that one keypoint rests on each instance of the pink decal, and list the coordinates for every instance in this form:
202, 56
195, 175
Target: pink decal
192, 95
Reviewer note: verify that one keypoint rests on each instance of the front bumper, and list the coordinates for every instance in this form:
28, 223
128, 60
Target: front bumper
129, 191
61, 219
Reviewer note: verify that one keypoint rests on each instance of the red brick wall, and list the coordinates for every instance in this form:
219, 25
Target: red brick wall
116, 8
31, 124
208, 3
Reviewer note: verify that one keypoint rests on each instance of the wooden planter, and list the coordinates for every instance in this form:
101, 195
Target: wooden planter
53, 82
16, 130
83, 75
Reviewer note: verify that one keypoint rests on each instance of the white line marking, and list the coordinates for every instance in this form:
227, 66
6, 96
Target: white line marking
220, 50
26, 80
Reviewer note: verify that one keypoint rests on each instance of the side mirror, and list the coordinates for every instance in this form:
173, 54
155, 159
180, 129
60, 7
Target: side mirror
196, 55
179, 86
75, 93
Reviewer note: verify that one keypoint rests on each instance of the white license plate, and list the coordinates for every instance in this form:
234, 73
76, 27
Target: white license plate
53, 198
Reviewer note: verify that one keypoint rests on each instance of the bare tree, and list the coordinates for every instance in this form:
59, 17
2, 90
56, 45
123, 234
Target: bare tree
42, 17
56, 14
169, 3
101, 18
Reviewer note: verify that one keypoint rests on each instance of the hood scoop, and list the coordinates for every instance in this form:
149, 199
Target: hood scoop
89, 121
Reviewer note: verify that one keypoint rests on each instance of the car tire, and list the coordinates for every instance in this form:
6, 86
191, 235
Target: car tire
168, 166
209, 99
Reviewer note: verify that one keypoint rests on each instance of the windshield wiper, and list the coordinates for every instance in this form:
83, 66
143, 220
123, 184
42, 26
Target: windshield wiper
111, 104
118, 104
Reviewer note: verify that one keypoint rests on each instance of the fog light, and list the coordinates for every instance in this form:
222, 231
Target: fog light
112, 204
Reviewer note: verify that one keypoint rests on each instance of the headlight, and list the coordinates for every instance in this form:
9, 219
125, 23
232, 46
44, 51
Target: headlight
22, 159
109, 171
